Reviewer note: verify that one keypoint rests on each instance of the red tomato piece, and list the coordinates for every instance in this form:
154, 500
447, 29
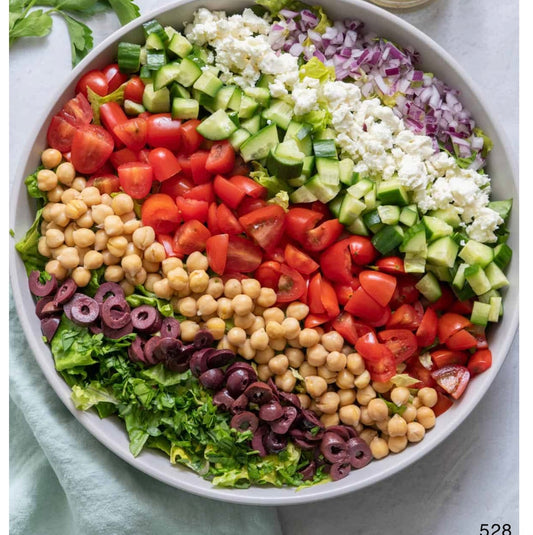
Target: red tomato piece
168, 243
445, 357
163, 131
136, 179
336, 262
379, 359
227, 222
291, 285
350, 329
112, 115
382, 370
200, 174
382, 320
344, 293
243, 255
453, 379
221, 158
405, 293
192, 209
216, 248
379, 285
160, 212
132, 133
121, 156
249, 204
314, 295
228, 193
269, 273
415, 369
134, 90
364, 306
91, 147
404, 317
94, 79
461, 340
322, 236
265, 225
114, 77
299, 221
362, 250
60, 133
78, 110
401, 342
203, 192
164, 164
445, 301
299, 260
107, 183
442, 405
390, 264
191, 236
329, 299
176, 186
462, 307
449, 324
480, 361
314, 320
212, 219
191, 139
427, 331
249, 186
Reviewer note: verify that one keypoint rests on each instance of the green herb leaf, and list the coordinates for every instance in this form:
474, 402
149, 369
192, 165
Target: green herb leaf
81, 38
36, 24
126, 10
27, 247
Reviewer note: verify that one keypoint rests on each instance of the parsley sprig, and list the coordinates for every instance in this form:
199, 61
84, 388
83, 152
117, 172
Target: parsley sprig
27, 18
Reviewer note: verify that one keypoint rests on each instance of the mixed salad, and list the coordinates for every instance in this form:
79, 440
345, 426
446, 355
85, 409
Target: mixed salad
266, 243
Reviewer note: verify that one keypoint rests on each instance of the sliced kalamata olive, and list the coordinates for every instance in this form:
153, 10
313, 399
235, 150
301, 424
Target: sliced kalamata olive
115, 334
242, 366
146, 319
339, 470
65, 291
135, 351
259, 392
274, 387
275, 443
107, 290
41, 289
258, 440
245, 421
237, 381
168, 348
203, 338
240, 404
333, 448
340, 430
198, 362
49, 327
67, 307
220, 358
283, 424
41, 303
170, 328
309, 471
309, 420
188, 351
212, 379
290, 398
176, 365
85, 310
116, 312
95, 328
51, 308
149, 349
303, 444
358, 451
270, 411
223, 399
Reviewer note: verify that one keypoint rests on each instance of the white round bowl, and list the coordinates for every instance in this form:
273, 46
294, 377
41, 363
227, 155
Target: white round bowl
111, 431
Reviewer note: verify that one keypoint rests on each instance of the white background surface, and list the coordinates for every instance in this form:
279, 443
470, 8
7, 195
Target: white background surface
472, 478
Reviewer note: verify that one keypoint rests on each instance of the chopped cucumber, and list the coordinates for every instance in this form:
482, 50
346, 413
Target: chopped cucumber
361, 188
448, 215
166, 75
429, 287
156, 101
308, 166
325, 148
502, 207
285, 160
322, 191
442, 273
443, 252
414, 241
392, 192
409, 216
480, 313
301, 133
280, 113
248, 107
459, 279
189, 72
208, 83
496, 276
223, 97
477, 279
436, 228
235, 100
253, 125
475, 252
335, 205
128, 57
185, 108
238, 138
155, 59
328, 170
389, 214
358, 227
414, 264
371, 199
302, 195
495, 309
346, 174
154, 42
133, 108
179, 45
178, 91
217, 126
259, 145
373, 221
260, 94
388, 238
350, 209
502, 255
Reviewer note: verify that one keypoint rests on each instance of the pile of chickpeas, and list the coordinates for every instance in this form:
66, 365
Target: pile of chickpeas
83, 230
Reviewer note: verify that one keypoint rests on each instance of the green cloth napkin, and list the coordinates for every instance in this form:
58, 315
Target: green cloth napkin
64, 482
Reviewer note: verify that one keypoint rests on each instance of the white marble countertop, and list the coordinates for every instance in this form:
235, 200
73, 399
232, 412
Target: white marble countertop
470, 479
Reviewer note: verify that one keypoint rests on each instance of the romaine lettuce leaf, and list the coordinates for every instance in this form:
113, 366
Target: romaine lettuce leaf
314, 68
92, 394
27, 247
143, 297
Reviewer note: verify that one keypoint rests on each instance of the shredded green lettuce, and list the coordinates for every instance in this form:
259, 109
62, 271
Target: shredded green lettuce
272, 183
314, 68
143, 297
27, 247
96, 100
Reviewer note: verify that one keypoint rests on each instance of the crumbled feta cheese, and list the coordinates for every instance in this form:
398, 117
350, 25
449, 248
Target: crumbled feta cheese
485, 222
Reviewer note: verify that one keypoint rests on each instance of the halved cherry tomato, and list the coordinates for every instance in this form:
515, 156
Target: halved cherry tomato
265, 225
191, 139
401, 342
221, 158
132, 133
107, 183
379, 359
78, 110
160, 212
268, 273
249, 186
446, 299
314, 295
379, 285
227, 192
415, 369
136, 179
291, 285
321, 208
382, 320
461, 340
191, 236
185, 163
480, 361
192, 209
212, 219
321, 237
336, 262
390, 264
249, 204
94, 79
299, 221
227, 222
462, 307
453, 379
240, 167
442, 405
203, 192
344, 293
449, 324
445, 357
329, 299
163, 131
91, 147
134, 90
216, 248
299, 260
350, 329
405, 293
114, 77
60, 133
200, 174
478, 332
164, 164
176, 186
243, 255
362, 250
112, 115
314, 320
121, 156
404, 317
427, 331
364, 306
168, 243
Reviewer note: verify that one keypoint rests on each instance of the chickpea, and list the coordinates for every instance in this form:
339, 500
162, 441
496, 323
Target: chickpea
259, 339
364, 395
84, 237
382, 387
151, 267
335, 361
368, 435
69, 234
279, 344
417, 403
426, 417
57, 251
156, 253
51, 158
232, 288
242, 304
130, 227
131, 249
274, 330
162, 289
295, 356
251, 288
428, 396
397, 426
55, 268
379, 448
397, 444
100, 212
151, 278
69, 257
236, 336
363, 380
309, 338
279, 364
81, 276
122, 204
197, 261
378, 410
178, 278
399, 395
79, 183
86, 220
349, 414
69, 195
267, 297
54, 238
305, 400
297, 310
198, 280
187, 307
48, 211
131, 264
286, 381
189, 330
217, 327
347, 396
246, 350
93, 260
306, 369
327, 374
315, 385
263, 372
355, 363
107, 200
113, 225
131, 218
258, 310
100, 240
317, 354
90, 196
59, 214
137, 278
215, 287
328, 402
206, 305
143, 237
224, 344
263, 356
75, 209
292, 329
65, 173
409, 414
295, 342
365, 417
415, 432
345, 379
246, 322
46, 180
113, 273
329, 420
332, 341
273, 314
43, 248
225, 309
313, 407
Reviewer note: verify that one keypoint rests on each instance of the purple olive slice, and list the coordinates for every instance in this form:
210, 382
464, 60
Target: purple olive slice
41, 304
67, 307
309, 420
116, 312
258, 440
283, 424
245, 421
259, 392
290, 398
340, 430
107, 290
115, 334
65, 291
41, 289
303, 444
146, 319
203, 338
275, 443
177, 366
49, 327
240, 404
170, 328
85, 310
359, 453
237, 381
309, 471
198, 362
242, 366
220, 358
334, 448
95, 328
223, 399
135, 351
149, 349
212, 379
168, 348
339, 470
270, 411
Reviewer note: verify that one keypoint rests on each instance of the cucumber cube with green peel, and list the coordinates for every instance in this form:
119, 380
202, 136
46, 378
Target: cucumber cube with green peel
429, 287
480, 313
392, 192
442, 252
477, 279
478, 253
